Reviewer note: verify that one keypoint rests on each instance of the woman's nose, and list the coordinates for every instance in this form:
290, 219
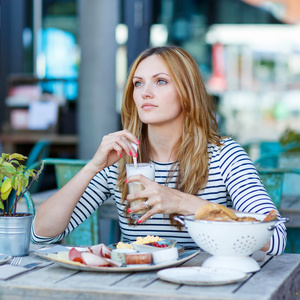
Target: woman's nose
147, 92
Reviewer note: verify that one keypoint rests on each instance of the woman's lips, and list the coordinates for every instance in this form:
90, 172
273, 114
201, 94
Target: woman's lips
148, 106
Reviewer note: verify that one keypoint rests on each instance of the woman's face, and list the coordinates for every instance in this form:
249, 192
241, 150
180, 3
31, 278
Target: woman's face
155, 95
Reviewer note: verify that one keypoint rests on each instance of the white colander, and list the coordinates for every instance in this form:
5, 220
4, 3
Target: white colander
230, 243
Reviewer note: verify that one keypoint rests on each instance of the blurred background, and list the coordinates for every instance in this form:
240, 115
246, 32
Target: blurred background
64, 65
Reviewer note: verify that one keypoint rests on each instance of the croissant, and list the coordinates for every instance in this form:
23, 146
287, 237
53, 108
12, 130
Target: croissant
215, 212
218, 212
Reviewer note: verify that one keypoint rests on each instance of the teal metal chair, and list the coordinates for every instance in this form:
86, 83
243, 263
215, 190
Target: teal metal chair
30, 203
87, 233
273, 180
289, 158
270, 148
263, 147
40, 150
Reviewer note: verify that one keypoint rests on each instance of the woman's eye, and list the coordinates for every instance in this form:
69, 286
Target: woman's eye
137, 84
161, 81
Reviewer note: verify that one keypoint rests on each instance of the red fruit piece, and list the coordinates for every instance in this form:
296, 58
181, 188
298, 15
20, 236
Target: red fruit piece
75, 255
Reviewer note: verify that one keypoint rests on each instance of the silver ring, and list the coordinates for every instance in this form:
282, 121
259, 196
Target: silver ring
147, 204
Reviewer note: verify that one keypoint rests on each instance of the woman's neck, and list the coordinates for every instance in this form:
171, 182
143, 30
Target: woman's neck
163, 144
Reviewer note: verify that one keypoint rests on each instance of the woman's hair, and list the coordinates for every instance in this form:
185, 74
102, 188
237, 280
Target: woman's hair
200, 126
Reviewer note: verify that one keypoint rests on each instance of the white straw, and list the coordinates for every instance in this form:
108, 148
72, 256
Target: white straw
134, 158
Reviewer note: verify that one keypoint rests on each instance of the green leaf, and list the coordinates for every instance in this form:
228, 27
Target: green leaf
8, 167
12, 180
15, 162
6, 185
17, 156
6, 194
19, 189
1, 205
5, 156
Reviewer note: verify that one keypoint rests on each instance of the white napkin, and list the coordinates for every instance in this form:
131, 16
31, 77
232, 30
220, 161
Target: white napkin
8, 271
58, 248
54, 249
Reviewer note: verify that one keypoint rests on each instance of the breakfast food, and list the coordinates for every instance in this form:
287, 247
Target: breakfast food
218, 212
139, 258
149, 239
272, 215
164, 256
97, 255
101, 256
122, 245
215, 212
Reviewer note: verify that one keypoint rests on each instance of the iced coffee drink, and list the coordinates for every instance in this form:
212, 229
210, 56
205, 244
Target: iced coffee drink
146, 169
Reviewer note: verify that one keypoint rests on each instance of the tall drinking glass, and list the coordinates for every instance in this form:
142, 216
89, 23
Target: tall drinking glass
146, 169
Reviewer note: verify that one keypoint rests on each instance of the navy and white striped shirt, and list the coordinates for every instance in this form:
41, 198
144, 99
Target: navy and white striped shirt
233, 181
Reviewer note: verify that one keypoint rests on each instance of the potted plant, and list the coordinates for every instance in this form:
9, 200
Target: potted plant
15, 181
290, 139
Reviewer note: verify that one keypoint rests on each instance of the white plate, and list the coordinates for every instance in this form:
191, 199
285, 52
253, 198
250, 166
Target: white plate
201, 276
151, 249
147, 248
183, 257
4, 258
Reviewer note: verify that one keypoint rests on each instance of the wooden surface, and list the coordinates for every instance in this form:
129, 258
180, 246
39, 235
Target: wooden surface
290, 207
32, 137
279, 278
11, 141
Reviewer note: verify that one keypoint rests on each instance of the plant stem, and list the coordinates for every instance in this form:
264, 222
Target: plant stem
20, 196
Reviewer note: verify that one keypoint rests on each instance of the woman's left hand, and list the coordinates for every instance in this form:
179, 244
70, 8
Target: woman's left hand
162, 199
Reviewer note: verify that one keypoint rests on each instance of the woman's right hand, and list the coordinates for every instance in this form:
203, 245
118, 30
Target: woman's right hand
112, 148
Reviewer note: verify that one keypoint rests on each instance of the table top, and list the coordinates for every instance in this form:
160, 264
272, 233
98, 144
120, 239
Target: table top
278, 279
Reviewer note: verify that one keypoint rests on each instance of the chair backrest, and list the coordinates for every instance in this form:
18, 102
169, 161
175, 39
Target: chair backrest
30, 203
86, 233
291, 147
269, 160
273, 182
65, 169
262, 147
274, 179
39, 151
288, 159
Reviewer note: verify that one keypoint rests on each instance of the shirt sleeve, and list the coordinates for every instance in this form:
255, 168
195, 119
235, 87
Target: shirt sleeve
95, 194
246, 190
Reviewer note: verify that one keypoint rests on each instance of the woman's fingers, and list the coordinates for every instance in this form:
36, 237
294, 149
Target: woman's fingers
146, 216
153, 209
141, 179
114, 146
122, 141
151, 194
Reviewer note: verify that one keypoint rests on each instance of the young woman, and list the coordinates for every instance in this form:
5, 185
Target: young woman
170, 116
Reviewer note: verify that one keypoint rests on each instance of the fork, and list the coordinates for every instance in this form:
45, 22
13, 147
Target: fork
16, 261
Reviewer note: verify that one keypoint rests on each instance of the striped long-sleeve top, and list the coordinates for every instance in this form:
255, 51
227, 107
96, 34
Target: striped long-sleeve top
233, 181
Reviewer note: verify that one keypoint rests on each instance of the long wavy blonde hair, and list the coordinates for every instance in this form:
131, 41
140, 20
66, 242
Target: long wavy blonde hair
200, 126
